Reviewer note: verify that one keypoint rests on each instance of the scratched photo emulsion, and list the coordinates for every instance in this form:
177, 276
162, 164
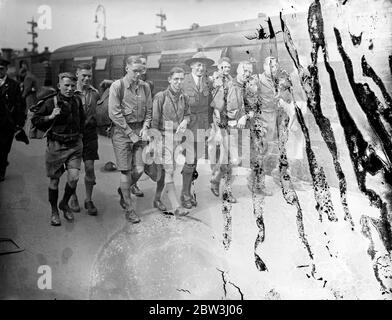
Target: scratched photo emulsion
196, 150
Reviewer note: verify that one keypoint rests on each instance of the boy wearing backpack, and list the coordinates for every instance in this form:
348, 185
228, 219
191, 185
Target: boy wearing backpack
171, 115
62, 119
130, 109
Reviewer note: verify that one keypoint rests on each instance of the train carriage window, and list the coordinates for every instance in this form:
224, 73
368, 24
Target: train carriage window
100, 64
153, 61
83, 59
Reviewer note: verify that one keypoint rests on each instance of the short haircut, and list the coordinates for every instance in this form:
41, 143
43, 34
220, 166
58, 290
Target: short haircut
68, 75
242, 64
176, 70
224, 59
134, 59
84, 66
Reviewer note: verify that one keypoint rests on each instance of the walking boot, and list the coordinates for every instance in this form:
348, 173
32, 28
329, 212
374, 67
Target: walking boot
186, 201
136, 191
122, 201
180, 212
193, 200
74, 203
90, 207
159, 205
187, 177
55, 219
131, 216
67, 212
215, 188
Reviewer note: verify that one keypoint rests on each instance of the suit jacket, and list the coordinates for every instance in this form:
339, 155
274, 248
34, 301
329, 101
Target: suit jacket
12, 106
199, 102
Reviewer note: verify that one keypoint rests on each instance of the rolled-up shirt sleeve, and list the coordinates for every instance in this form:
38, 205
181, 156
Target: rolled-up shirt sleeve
114, 108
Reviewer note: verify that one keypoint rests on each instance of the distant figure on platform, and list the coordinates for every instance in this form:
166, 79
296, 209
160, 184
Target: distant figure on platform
89, 97
12, 114
62, 118
144, 76
29, 87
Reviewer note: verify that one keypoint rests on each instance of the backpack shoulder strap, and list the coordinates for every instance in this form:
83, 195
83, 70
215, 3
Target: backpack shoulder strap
51, 126
122, 90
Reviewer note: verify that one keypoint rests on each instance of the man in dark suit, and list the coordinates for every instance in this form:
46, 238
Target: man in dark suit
198, 88
12, 114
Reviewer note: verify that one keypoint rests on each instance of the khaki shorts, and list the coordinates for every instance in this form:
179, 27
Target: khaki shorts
128, 154
168, 160
62, 156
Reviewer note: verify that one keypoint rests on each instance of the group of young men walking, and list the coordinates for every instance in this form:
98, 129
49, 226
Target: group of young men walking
193, 109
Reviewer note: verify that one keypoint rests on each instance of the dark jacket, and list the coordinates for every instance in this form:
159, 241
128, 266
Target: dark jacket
199, 103
12, 106
69, 122
166, 108
90, 111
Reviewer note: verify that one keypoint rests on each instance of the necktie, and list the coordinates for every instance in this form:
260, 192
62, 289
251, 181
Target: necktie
198, 86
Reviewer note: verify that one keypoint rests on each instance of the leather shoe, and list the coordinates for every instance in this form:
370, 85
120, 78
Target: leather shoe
136, 191
180, 212
193, 201
74, 204
55, 219
186, 202
67, 212
122, 201
131, 216
159, 205
215, 188
90, 207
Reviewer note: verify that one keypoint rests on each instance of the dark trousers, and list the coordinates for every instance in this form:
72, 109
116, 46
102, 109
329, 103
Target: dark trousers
6, 139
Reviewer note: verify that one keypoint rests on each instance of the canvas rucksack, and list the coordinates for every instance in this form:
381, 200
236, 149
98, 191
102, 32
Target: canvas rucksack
34, 132
102, 111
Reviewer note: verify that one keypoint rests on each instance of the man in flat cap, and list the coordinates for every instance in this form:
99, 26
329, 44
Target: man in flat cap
198, 88
12, 114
